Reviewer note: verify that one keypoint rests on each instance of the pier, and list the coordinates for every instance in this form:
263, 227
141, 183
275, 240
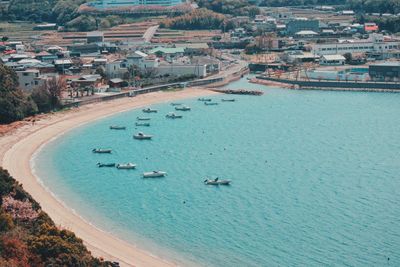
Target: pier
336, 85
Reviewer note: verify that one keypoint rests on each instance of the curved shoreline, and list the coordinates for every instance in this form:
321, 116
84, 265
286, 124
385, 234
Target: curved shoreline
17, 149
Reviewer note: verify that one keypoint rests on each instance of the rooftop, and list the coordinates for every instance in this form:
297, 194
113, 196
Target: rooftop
333, 57
167, 50
306, 33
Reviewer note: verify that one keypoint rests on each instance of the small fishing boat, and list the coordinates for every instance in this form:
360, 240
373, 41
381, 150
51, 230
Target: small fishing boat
216, 181
114, 127
142, 124
142, 118
154, 174
228, 100
101, 150
176, 104
142, 136
173, 116
210, 104
100, 165
204, 99
126, 166
149, 110
183, 108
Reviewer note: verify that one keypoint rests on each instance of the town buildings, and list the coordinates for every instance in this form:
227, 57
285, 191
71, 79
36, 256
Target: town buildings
128, 3
375, 43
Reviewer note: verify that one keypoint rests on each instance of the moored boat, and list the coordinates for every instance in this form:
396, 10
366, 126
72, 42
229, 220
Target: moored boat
147, 124
154, 174
228, 100
204, 99
183, 108
173, 116
142, 118
176, 104
142, 136
210, 103
149, 110
100, 165
101, 150
216, 181
115, 127
126, 166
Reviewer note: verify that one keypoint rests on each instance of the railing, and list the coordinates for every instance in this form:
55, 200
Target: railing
130, 93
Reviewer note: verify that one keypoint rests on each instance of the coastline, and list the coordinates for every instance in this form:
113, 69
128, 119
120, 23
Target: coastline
24, 142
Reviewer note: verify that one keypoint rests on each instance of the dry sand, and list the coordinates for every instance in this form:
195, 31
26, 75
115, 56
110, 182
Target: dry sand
17, 148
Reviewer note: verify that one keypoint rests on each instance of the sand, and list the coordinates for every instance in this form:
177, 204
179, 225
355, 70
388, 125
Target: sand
18, 147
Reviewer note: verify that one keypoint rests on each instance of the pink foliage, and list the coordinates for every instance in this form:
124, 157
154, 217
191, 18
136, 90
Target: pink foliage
21, 210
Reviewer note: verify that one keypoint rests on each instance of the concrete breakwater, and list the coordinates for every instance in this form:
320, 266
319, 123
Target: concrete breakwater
336, 85
238, 91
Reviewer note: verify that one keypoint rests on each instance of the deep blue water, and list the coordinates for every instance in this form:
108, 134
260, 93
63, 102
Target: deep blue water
315, 179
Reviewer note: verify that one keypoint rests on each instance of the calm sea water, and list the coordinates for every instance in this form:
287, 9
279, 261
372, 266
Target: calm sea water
315, 179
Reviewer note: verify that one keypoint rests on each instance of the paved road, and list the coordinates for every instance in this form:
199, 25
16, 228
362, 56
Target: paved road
237, 65
149, 33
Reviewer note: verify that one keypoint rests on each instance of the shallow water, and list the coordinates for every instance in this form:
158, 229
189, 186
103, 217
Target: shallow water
315, 179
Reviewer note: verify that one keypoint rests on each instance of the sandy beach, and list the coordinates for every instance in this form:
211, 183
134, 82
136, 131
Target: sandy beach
18, 146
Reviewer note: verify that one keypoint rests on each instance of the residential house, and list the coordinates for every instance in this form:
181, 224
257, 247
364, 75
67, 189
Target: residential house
332, 60
29, 79
168, 53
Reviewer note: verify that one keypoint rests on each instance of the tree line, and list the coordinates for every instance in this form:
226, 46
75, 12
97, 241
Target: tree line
16, 104
198, 19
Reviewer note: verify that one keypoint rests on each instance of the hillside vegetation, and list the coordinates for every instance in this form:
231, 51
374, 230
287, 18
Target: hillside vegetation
28, 237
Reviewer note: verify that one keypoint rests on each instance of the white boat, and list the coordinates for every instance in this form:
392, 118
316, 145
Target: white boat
183, 108
126, 166
210, 103
142, 124
101, 150
154, 174
149, 110
173, 116
142, 118
142, 136
216, 181
115, 127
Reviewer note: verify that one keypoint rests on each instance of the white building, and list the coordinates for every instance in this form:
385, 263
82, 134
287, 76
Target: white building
332, 60
199, 70
116, 69
376, 43
142, 60
29, 79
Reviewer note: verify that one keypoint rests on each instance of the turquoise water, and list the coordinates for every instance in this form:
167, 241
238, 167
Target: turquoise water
315, 179
355, 70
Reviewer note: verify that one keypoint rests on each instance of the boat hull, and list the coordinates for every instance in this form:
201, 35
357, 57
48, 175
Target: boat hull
154, 174
117, 127
101, 165
142, 124
126, 166
101, 151
142, 137
221, 182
